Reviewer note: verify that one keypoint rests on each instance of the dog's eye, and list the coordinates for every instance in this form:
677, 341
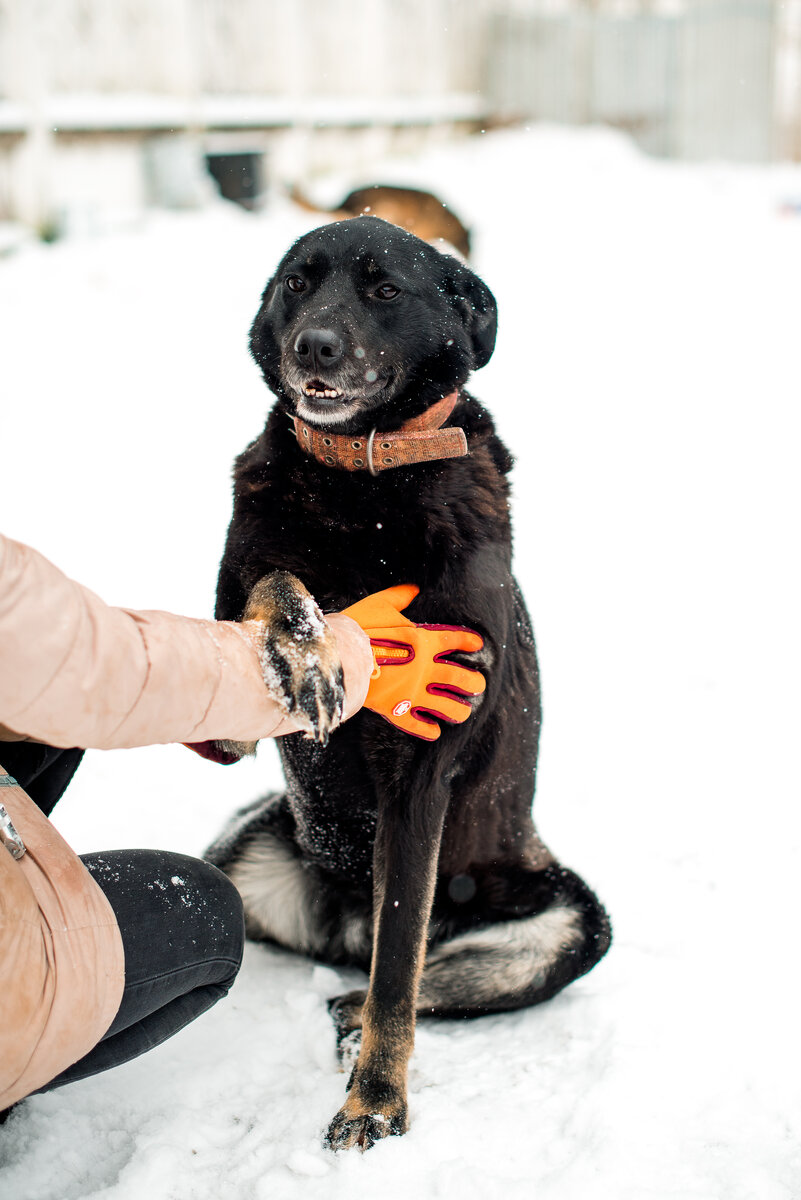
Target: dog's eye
295, 283
387, 291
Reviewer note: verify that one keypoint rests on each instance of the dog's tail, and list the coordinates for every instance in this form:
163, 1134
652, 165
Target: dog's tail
299, 197
509, 964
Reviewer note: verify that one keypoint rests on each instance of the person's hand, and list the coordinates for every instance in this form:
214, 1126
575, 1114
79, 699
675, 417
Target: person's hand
414, 685
302, 656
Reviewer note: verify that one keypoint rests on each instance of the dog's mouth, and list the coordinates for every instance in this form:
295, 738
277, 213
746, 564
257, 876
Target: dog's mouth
321, 402
317, 390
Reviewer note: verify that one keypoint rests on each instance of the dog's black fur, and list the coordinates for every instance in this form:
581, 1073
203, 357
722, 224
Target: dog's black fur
386, 850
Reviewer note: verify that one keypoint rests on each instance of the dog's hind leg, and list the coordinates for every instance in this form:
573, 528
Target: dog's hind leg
502, 939
287, 899
522, 936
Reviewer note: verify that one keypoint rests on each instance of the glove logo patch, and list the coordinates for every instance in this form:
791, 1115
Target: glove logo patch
401, 708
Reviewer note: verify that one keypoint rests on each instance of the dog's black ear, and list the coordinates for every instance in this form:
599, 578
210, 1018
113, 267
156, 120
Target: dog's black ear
479, 313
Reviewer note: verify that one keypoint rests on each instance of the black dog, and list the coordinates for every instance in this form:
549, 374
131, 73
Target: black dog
417, 861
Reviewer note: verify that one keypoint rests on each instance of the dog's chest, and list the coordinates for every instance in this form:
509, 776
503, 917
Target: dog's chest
344, 538
332, 800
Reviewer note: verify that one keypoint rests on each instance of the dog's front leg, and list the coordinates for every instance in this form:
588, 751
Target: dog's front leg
299, 661
406, 855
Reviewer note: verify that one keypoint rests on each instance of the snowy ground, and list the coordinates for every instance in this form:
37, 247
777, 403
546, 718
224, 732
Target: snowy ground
648, 378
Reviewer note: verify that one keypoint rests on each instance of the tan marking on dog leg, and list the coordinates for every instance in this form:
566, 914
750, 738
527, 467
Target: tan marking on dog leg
376, 1106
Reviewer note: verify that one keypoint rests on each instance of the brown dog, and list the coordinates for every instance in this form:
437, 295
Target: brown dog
421, 213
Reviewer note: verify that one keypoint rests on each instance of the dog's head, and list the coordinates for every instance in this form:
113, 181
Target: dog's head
361, 316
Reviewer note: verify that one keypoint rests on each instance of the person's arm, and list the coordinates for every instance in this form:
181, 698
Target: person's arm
76, 672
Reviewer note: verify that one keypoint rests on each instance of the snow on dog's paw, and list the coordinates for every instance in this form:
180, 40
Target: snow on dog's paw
361, 1131
299, 658
375, 1106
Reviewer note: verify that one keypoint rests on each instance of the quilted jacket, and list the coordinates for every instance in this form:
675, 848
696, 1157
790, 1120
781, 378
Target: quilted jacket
76, 672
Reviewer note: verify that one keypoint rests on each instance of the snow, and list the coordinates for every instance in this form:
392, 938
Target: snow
647, 379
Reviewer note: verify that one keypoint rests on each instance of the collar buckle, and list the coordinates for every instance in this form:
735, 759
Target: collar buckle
370, 464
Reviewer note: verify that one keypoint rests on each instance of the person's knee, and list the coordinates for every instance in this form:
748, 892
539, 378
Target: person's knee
205, 889
224, 914
172, 910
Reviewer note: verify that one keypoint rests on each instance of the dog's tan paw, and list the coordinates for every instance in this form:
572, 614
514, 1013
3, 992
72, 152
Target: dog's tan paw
299, 658
355, 1127
376, 1105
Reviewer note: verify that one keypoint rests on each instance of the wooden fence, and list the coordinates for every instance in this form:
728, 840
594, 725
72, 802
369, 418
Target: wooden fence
695, 84
305, 80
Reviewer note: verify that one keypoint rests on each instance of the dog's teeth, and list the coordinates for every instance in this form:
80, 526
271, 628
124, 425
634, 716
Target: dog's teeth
326, 393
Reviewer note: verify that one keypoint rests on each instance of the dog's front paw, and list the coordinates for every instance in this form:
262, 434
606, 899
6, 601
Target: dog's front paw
376, 1105
358, 1125
299, 658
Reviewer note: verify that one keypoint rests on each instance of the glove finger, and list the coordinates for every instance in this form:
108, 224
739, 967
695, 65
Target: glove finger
454, 637
400, 596
459, 679
445, 707
381, 610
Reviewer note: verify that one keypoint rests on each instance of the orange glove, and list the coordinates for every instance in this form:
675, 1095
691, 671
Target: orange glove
414, 686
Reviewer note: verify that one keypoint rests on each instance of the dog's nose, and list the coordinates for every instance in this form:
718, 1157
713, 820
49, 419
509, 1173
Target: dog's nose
318, 348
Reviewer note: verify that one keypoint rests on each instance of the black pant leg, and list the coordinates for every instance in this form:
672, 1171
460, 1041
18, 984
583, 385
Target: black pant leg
183, 932
43, 771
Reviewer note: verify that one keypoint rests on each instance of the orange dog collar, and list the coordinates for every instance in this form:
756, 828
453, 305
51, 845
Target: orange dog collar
420, 439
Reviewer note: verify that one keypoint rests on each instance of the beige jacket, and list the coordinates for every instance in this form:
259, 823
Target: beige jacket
61, 957
75, 672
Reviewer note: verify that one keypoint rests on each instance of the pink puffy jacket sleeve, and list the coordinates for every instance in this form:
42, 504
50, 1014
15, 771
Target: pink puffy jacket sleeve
76, 672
